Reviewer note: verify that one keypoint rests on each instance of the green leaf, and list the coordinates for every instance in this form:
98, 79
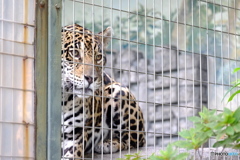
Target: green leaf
155, 157
205, 109
202, 115
237, 81
227, 111
230, 130
163, 153
230, 119
211, 124
235, 137
220, 136
237, 146
209, 133
237, 127
185, 134
137, 158
184, 144
236, 69
230, 90
181, 156
195, 119
236, 114
128, 156
218, 144
199, 126
233, 95
225, 142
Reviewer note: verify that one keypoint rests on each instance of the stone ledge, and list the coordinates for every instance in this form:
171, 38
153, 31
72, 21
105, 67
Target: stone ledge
208, 153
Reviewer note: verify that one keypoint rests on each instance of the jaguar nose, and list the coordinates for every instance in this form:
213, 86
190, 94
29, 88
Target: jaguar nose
90, 79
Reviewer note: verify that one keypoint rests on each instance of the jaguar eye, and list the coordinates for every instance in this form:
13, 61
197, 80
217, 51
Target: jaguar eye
75, 53
98, 57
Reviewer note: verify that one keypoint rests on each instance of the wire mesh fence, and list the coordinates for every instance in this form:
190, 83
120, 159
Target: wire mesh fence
161, 61
175, 57
17, 79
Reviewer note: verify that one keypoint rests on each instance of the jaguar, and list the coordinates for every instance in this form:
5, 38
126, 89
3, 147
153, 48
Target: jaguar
98, 114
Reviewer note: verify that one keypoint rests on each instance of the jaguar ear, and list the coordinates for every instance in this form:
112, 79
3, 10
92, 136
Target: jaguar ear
105, 36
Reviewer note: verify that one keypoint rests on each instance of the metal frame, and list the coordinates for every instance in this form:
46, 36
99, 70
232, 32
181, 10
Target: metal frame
48, 80
54, 80
41, 81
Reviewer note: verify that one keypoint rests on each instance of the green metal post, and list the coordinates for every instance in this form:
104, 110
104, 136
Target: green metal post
41, 79
54, 80
48, 80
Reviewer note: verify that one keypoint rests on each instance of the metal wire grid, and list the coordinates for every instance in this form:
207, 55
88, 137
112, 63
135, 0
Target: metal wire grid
213, 56
212, 84
194, 53
16, 82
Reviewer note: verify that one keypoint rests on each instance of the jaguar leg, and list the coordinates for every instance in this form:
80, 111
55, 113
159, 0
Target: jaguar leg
74, 148
109, 146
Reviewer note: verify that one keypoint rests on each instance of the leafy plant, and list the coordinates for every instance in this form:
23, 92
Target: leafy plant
225, 127
228, 129
236, 84
170, 153
135, 156
196, 137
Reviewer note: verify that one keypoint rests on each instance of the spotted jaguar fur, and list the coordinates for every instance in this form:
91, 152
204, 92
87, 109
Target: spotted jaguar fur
99, 114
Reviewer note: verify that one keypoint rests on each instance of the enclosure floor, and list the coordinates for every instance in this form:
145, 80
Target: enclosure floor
207, 155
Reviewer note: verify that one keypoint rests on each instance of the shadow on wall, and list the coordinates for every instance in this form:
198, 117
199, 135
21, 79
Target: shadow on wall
170, 86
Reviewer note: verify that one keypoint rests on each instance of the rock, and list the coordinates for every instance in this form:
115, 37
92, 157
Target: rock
166, 127
179, 83
164, 60
163, 96
158, 113
161, 82
190, 60
183, 112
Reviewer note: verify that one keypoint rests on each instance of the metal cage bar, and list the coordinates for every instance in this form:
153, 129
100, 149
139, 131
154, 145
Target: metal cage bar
48, 79
54, 80
41, 80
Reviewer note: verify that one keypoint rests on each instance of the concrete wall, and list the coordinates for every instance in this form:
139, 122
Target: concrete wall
173, 90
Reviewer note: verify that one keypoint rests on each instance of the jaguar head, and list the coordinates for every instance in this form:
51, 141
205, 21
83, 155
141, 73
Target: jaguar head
83, 59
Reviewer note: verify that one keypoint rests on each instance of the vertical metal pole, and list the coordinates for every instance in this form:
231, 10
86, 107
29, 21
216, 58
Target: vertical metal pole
208, 79
221, 56
93, 71
112, 71
200, 65
129, 57
145, 57
178, 80
120, 43
41, 80
162, 81
170, 65
137, 69
214, 55
228, 57
54, 80
193, 68
84, 115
